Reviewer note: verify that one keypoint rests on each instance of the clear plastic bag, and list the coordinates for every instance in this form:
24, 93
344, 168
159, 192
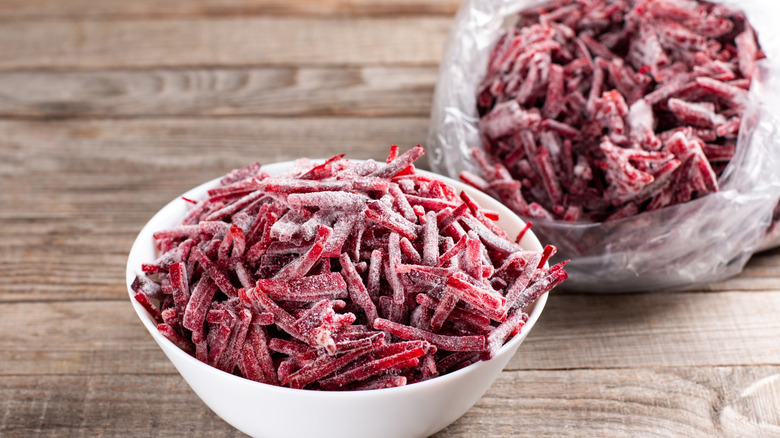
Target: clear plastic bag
678, 247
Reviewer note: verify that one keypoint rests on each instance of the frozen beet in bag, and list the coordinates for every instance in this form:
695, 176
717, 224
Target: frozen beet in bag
624, 130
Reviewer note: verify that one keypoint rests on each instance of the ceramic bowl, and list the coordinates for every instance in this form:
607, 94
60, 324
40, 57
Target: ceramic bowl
261, 410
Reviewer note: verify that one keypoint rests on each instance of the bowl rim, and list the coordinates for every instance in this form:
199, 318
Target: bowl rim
132, 270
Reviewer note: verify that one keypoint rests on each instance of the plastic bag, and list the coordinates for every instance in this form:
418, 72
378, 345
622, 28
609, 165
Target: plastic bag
677, 247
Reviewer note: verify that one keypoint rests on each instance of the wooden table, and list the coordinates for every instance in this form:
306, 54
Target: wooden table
108, 109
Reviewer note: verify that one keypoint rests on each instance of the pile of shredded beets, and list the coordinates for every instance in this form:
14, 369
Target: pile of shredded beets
341, 276
595, 110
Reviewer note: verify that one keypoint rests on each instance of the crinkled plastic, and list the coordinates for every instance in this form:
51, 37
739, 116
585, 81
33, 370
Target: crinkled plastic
678, 247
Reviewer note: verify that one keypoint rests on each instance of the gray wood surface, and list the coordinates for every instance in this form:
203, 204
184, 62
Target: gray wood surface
267, 91
110, 109
225, 41
36, 9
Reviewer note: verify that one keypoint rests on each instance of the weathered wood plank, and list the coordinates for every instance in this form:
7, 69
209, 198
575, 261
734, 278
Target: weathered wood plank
62, 211
77, 338
278, 91
654, 330
280, 41
109, 405
102, 150
691, 402
75, 193
91, 161
575, 332
36, 9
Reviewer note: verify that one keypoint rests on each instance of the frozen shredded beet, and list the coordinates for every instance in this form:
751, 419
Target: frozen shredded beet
340, 276
595, 110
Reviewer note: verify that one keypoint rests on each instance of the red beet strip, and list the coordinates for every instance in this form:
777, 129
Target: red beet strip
443, 342
411, 350
320, 368
308, 289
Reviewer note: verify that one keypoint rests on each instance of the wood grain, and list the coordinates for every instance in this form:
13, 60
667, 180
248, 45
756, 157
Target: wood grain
278, 41
139, 160
690, 402
275, 91
109, 109
575, 332
146, 149
79, 191
109, 405
654, 330
37, 9
77, 338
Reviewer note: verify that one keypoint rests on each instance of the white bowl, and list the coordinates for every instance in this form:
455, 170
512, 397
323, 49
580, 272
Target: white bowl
261, 410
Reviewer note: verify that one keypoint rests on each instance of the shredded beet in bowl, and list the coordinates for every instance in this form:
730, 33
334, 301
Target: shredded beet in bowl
637, 135
294, 294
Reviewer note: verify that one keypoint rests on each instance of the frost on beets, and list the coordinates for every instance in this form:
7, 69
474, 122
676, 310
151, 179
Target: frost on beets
595, 110
340, 276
